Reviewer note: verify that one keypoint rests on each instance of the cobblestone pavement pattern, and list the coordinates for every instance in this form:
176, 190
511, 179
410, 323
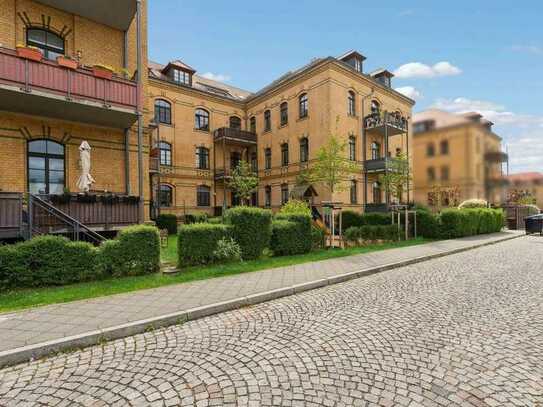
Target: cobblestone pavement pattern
465, 329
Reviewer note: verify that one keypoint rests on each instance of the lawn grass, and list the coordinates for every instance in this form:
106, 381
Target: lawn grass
27, 298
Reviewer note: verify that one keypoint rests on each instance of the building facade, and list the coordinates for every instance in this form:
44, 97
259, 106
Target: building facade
525, 186
204, 128
458, 153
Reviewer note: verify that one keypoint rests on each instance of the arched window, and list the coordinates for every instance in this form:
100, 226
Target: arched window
283, 110
252, 124
202, 158
375, 151
304, 150
50, 44
201, 120
376, 192
267, 196
267, 158
203, 195
284, 194
165, 195
352, 148
45, 167
375, 107
165, 153
351, 104
284, 154
235, 122
163, 111
303, 105
354, 192
267, 120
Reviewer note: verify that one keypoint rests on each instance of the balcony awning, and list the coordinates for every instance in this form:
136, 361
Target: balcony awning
117, 14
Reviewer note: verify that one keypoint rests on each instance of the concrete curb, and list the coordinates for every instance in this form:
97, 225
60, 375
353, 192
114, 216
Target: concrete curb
36, 351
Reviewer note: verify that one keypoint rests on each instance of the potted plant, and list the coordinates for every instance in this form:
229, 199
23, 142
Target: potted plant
86, 198
67, 62
102, 71
28, 52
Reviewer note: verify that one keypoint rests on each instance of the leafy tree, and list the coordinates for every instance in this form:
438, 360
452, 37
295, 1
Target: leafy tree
398, 177
243, 181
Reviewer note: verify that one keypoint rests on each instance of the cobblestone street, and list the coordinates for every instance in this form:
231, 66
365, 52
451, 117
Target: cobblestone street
465, 329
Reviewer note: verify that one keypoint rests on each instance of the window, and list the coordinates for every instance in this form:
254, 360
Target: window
252, 124
431, 174
376, 192
284, 194
203, 195
202, 158
283, 109
235, 199
267, 159
430, 150
45, 167
165, 196
353, 192
254, 199
304, 150
254, 162
235, 159
50, 44
375, 107
267, 196
235, 122
304, 105
284, 154
180, 76
165, 153
351, 104
163, 112
445, 173
352, 148
375, 151
267, 120
444, 147
201, 120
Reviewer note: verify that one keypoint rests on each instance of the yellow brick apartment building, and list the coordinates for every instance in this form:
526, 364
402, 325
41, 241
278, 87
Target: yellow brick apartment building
204, 128
458, 151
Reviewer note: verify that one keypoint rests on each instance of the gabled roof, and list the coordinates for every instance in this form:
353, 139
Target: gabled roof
440, 118
178, 64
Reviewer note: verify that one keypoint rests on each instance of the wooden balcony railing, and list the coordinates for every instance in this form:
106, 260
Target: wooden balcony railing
11, 214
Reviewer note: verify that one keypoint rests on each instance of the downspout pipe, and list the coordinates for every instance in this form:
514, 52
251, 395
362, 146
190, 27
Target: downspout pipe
364, 149
141, 216
127, 130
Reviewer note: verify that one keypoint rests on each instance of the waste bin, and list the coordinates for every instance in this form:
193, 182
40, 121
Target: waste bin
534, 224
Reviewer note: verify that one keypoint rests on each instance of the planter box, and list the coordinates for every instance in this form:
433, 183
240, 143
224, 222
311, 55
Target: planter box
67, 62
29, 53
101, 72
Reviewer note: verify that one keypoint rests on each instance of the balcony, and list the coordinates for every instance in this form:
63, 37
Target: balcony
47, 89
496, 157
385, 123
380, 165
234, 136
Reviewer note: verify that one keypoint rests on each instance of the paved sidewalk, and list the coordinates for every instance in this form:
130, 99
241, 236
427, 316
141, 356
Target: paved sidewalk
43, 330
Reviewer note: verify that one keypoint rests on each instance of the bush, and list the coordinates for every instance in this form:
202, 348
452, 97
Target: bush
473, 204
227, 251
282, 243
197, 242
295, 206
352, 235
196, 217
350, 219
371, 232
375, 219
251, 229
217, 220
454, 223
301, 239
427, 224
167, 221
318, 236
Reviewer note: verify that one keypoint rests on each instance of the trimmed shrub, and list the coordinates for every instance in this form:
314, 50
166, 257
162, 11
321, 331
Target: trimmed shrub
352, 235
427, 224
227, 251
302, 238
197, 243
473, 204
350, 219
217, 220
377, 219
167, 221
295, 206
454, 223
281, 242
371, 232
251, 228
318, 236
196, 217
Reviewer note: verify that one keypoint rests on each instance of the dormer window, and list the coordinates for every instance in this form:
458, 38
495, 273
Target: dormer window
354, 59
181, 77
383, 77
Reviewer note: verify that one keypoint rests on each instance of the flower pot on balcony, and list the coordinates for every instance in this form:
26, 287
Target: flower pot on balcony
102, 72
67, 62
31, 53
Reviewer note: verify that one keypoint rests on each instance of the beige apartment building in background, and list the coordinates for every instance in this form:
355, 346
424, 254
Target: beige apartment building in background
204, 128
457, 151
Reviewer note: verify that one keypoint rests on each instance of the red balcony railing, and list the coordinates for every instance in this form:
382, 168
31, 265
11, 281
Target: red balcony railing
48, 76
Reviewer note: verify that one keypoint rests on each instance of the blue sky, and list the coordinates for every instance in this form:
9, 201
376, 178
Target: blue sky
493, 51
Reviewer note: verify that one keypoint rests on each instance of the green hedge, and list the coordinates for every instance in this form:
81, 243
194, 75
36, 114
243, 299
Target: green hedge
54, 260
299, 240
356, 219
281, 242
198, 241
167, 221
251, 228
454, 223
355, 235
318, 237
196, 217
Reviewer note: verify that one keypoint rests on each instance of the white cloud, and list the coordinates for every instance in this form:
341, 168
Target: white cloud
531, 49
217, 77
410, 92
420, 70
